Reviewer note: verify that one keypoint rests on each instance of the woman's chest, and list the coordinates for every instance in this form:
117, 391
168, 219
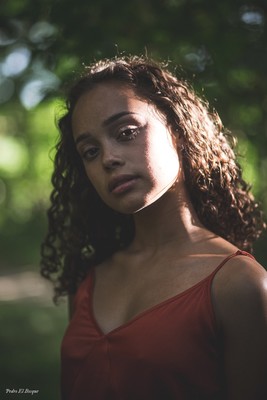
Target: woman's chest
117, 298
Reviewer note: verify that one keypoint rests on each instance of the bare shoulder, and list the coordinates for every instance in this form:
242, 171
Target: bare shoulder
240, 286
241, 277
240, 304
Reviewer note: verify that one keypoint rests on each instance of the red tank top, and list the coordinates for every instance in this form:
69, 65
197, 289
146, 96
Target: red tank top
172, 351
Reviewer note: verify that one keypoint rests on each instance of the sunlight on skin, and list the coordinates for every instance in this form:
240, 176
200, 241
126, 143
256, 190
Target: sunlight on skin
148, 154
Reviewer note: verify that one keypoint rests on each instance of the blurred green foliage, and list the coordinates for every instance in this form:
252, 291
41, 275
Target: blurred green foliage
219, 46
30, 357
25, 169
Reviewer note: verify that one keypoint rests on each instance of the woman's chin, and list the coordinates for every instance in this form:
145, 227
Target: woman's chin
129, 205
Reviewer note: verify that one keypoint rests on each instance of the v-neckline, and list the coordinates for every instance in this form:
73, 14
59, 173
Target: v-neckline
152, 308
141, 313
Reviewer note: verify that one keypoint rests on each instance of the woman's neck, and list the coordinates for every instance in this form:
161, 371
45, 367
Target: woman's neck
171, 219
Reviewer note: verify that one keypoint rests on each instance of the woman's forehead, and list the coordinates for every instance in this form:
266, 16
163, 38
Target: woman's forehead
106, 99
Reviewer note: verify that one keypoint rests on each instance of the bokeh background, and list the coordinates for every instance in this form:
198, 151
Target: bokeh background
220, 47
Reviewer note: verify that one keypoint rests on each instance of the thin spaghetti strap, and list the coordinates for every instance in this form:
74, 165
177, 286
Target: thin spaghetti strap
237, 253
243, 253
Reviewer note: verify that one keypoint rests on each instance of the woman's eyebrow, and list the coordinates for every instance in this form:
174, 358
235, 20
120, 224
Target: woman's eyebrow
82, 137
106, 122
114, 117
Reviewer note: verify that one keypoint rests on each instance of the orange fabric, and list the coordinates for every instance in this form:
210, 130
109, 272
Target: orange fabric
170, 351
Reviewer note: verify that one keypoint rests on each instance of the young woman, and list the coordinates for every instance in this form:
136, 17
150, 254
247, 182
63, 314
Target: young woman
150, 232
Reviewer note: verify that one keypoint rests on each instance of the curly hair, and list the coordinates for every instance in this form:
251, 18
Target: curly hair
83, 231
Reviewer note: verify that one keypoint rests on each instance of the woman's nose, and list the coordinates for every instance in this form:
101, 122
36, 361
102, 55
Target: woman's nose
110, 158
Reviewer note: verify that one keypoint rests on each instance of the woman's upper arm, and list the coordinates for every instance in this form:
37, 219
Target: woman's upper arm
241, 308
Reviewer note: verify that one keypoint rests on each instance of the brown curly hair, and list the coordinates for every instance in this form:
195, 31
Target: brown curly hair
83, 231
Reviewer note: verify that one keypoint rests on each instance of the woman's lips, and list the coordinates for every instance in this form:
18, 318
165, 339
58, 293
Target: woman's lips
121, 183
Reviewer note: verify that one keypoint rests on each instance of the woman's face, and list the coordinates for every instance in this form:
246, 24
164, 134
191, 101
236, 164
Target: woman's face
126, 148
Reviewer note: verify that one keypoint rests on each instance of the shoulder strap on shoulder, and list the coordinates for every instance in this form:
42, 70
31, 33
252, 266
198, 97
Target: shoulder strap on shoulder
237, 253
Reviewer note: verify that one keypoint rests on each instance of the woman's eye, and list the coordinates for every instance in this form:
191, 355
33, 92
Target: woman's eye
90, 153
128, 133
